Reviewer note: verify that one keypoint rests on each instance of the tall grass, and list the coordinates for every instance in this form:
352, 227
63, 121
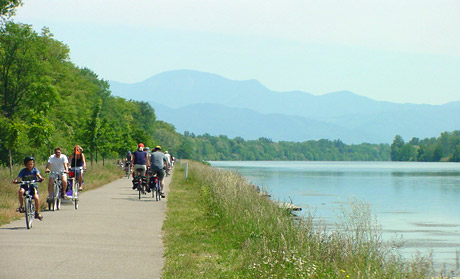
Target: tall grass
95, 176
237, 233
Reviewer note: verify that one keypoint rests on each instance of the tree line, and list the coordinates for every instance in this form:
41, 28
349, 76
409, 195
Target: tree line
445, 148
207, 147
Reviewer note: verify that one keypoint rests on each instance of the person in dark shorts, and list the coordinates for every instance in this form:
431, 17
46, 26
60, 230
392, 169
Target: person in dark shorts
27, 174
140, 160
159, 163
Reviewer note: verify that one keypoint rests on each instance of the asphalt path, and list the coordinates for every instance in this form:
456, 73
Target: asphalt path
113, 234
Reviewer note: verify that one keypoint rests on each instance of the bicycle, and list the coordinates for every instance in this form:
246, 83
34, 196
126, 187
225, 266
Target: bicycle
29, 205
75, 184
54, 202
138, 181
128, 169
155, 186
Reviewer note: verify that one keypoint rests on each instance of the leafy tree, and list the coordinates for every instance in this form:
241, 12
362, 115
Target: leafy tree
395, 148
8, 8
91, 130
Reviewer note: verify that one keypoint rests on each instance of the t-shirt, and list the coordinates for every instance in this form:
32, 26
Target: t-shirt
158, 160
140, 157
27, 175
57, 164
168, 157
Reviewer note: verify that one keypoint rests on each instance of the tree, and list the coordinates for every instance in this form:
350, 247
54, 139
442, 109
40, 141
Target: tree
8, 8
395, 148
40, 131
25, 88
91, 131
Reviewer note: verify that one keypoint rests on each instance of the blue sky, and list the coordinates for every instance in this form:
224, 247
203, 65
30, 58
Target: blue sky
399, 51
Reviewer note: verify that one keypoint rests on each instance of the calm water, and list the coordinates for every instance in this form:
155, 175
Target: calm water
416, 202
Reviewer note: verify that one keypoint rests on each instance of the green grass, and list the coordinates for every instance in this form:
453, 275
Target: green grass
218, 226
96, 176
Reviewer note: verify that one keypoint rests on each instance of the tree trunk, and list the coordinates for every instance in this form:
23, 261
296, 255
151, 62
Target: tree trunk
11, 162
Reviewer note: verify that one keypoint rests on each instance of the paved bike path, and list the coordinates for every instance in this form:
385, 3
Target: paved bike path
113, 234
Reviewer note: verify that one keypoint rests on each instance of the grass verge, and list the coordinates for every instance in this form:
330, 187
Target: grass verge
95, 176
218, 226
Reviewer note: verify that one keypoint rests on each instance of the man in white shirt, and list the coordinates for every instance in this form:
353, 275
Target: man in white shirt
57, 163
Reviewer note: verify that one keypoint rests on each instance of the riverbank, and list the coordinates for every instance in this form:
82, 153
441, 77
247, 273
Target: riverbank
218, 226
96, 175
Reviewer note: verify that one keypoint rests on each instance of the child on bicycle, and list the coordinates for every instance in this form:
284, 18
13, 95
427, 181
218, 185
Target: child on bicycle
27, 174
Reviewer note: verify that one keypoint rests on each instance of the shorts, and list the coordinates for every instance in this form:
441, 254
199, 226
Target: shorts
54, 175
159, 173
143, 167
77, 172
33, 188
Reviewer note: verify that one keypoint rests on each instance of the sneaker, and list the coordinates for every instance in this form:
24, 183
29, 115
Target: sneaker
38, 216
21, 209
134, 187
162, 195
148, 190
49, 200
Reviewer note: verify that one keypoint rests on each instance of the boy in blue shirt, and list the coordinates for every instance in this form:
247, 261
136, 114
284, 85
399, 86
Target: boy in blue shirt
27, 174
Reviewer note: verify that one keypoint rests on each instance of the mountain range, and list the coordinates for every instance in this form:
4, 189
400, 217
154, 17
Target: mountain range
201, 103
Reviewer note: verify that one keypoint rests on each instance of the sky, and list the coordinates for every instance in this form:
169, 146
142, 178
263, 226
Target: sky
403, 51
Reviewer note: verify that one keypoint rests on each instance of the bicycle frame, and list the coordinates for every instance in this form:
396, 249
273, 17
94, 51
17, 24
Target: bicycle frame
138, 178
76, 184
57, 190
29, 204
156, 187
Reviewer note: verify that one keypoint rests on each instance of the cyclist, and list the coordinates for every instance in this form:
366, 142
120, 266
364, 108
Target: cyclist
58, 163
128, 160
168, 156
77, 159
27, 174
159, 163
140, 160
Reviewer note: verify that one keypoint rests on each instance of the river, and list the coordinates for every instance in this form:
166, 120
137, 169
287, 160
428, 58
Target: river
417, 204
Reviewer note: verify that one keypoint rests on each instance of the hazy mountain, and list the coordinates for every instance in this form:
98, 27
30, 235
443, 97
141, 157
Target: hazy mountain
207, 103
248, 124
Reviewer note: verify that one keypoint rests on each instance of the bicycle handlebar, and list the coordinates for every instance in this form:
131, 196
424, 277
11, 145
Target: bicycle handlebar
27, 181
77, 168
58, 172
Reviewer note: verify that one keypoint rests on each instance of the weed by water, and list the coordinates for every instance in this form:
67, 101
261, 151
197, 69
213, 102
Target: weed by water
219, 226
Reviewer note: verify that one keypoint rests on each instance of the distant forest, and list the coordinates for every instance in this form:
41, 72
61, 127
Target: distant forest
47, 101
445, 148
222, 148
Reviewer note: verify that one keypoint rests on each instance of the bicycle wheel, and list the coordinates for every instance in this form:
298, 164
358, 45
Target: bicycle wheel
56, 195
58, 203
28, 213
158, 190
76, 185
139, 187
